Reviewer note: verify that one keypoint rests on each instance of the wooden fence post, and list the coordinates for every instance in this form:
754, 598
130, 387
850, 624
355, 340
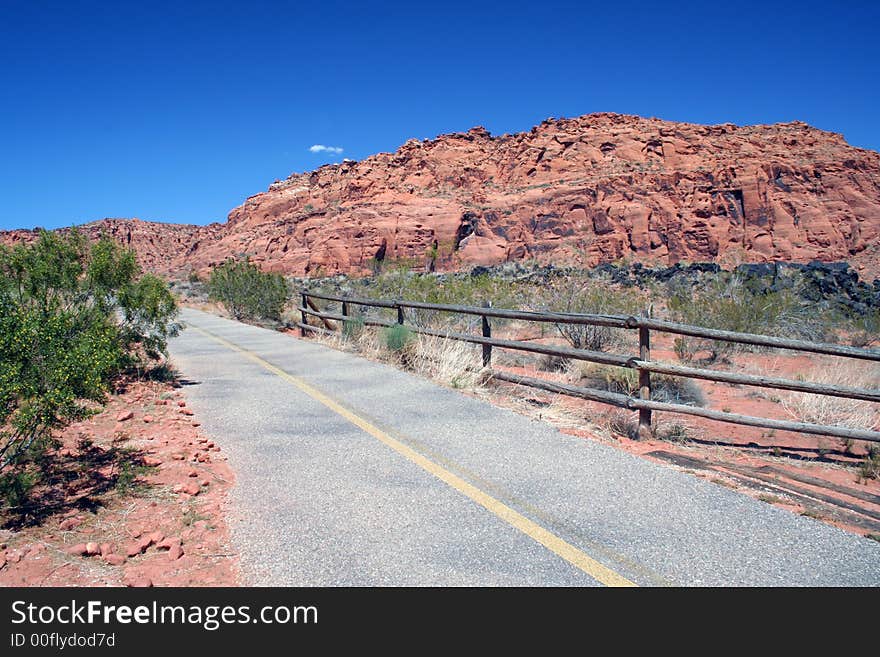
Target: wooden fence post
645, 432
400, 315
305, 303
487, 333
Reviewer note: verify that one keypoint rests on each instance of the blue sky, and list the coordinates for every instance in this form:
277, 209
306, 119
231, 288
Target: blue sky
179, 111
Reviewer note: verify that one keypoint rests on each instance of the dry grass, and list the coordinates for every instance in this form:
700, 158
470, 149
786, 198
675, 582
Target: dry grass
453, 363
367, 342
620, 422
768, 364
332, 340
625, 381
837, 411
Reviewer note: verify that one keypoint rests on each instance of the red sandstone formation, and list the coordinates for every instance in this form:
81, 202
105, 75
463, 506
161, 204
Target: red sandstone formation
160, 247
593, 189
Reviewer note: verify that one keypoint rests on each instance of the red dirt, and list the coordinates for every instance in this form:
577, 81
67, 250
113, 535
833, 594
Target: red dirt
168, 529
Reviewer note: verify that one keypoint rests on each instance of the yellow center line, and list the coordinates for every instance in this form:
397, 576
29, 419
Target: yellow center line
555, 544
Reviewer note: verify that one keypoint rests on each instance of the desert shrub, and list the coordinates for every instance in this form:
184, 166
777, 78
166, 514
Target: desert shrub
574, 294
403, 284
684, 349
72, 318
621, 422
870, 467
462, 290
247, 292
15, 485
673, 433
553, 363
397, 337
677, 390
733, 303
865, 328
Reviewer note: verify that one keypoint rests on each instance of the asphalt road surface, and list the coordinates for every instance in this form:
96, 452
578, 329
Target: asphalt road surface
353, 473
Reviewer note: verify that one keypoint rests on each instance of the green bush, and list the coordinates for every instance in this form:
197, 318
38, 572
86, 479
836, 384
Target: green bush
15, 485
865, 328
732, 303
72, 318
397, 281
401, 283
247, 292
397, 337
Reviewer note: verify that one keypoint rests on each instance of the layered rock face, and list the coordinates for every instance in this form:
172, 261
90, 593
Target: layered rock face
598, 188
160, 247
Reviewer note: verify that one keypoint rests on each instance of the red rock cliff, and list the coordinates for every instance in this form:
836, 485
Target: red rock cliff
597, 188
592, 189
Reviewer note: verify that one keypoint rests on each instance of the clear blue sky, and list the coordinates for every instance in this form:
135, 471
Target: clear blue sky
179, 111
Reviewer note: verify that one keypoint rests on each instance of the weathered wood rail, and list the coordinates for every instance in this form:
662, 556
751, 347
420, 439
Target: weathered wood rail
642, 362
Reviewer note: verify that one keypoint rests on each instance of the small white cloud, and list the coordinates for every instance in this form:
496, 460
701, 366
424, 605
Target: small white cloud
320, 148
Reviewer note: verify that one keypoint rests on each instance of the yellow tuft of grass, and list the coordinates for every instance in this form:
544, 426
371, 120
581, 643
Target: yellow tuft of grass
837, 411
453, 363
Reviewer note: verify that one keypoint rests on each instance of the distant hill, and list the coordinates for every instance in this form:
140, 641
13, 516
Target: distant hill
594, 189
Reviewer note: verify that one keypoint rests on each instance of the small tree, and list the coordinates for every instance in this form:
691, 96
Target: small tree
247, 292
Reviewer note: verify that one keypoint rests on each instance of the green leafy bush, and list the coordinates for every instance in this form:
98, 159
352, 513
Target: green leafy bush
401, 283
248, 292
353, 328
72, 318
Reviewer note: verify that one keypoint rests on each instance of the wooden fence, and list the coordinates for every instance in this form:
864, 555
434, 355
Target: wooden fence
641, 362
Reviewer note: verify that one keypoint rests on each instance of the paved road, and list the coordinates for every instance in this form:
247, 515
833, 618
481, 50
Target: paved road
354, 473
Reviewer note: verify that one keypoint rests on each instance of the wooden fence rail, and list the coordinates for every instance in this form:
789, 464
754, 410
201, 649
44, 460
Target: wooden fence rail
642, 363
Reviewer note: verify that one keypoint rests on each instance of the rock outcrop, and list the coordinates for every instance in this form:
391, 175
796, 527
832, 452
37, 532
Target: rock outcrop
160, 247
598, 188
